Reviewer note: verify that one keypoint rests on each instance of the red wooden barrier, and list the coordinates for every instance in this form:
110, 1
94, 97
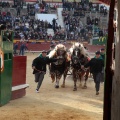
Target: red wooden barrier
19, 77
94, 48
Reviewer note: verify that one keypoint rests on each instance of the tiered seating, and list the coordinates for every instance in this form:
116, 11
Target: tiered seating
37, 47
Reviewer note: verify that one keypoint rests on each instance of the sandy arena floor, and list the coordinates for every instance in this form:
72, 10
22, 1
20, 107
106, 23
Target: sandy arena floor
54, 104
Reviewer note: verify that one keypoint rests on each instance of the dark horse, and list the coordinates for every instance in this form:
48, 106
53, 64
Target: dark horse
79, 58
59, 68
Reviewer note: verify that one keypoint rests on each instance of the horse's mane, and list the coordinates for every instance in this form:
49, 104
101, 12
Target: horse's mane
53, 52
81, 47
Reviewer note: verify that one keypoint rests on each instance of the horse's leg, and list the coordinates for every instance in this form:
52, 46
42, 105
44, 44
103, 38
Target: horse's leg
86, 78
52, 73
75, 87
58, 76
75, 80
53, 77
57, 83
65, 73
49, 66
80, 78
64, 77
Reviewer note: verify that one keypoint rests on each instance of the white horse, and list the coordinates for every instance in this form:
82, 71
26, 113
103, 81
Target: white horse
81, 47
79, 56
59, 68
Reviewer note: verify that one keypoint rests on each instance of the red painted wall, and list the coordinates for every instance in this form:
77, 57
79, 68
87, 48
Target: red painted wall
18, 94
19, 76
94, 48
105, 1
19, 70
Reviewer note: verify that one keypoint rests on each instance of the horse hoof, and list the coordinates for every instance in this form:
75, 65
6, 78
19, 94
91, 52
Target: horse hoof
63, 86
56, 86
53, 81
75, 89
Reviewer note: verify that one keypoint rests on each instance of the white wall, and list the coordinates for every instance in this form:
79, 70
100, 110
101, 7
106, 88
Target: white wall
48, 17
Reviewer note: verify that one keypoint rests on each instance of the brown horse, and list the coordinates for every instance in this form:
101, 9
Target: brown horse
79, 58
59, 68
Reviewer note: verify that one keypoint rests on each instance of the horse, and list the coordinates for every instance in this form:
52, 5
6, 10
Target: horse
61, 66
79, 57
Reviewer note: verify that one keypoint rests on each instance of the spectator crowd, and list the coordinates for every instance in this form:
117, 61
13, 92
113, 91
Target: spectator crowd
26, 27
73, 12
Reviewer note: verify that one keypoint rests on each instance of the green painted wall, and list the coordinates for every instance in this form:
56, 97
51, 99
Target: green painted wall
6, 74
100, 41
6, 83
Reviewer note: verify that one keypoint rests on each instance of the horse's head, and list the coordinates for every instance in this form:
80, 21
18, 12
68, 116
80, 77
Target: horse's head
76, 55
60, 50
81, 47
76, 52
75, 60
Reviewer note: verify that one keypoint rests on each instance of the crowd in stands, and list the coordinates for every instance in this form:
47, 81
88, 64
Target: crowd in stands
4, 4
79, 8
31, 29
24, 26
73, 12
27, 27
74, 28
37, 8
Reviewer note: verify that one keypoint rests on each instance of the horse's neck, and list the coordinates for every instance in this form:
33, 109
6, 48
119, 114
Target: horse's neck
73, 55
64, 55
55, 55
85, 60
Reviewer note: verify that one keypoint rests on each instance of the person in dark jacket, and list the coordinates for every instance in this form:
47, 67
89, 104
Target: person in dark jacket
39, 68
96, 64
